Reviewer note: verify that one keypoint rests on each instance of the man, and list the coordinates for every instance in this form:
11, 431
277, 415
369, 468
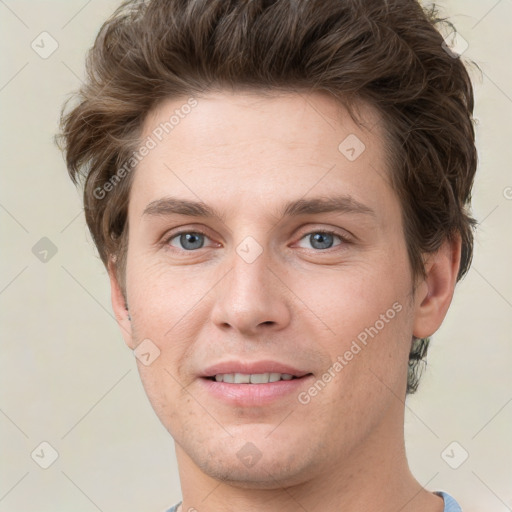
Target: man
279, 191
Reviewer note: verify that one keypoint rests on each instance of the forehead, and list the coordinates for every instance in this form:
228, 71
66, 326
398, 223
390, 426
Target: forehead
288, 119
259, 150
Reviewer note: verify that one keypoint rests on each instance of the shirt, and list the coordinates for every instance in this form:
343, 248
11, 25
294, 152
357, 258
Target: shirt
450, 505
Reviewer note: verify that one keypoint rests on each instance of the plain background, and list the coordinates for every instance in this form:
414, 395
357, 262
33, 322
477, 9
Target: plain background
68, 379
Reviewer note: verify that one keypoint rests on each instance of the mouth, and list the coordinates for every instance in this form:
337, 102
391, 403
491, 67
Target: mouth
243, 383
253, 378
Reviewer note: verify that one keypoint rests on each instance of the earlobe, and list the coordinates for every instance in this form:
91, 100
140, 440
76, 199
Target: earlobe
119, 306
435, 292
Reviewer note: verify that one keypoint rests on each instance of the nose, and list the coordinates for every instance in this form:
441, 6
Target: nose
251, 299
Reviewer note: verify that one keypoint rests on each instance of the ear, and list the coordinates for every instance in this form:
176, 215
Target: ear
119, 306
434, 294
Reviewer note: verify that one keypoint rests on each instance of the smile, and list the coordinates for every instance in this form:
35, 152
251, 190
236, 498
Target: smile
253, 378
255, 389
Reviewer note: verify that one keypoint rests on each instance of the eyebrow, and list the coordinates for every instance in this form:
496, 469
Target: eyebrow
167, 206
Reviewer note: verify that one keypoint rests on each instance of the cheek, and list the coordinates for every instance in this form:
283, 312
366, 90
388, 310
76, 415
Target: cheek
162, 299
363, 321
162, 306
345, 301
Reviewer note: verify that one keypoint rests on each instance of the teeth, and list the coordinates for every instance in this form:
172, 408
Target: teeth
253, 378
242, 378
259, 378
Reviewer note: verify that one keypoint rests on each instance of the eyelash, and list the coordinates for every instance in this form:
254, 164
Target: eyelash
344, 239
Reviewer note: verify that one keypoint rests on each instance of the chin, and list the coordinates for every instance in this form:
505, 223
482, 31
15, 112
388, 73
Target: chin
252, 461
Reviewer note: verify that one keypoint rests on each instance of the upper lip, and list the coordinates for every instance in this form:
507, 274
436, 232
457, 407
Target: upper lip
252, 367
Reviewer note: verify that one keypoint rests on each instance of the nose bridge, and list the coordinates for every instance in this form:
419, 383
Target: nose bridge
250, 269
251, 295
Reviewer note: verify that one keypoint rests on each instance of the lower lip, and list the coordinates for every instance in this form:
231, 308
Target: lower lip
250, 395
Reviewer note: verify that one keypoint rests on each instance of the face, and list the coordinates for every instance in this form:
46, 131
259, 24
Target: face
297, 265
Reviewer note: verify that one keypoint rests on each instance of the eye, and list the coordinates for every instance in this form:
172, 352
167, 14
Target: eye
322, 239
187, 240
193, 240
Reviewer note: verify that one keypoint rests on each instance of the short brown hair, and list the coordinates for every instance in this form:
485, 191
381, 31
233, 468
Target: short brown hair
387, 53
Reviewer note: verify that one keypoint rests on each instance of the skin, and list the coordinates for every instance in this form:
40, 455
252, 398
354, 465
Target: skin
246, 155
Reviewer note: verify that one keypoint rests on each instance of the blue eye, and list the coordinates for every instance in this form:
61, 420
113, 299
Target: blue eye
192, 240
322, 240
189, 240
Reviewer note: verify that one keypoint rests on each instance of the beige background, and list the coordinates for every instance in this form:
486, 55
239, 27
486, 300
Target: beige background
67, 377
